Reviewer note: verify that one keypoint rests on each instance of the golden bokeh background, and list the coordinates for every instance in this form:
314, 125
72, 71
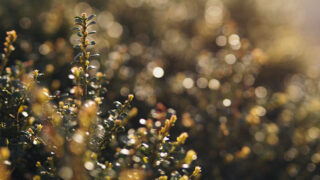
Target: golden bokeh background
242, 76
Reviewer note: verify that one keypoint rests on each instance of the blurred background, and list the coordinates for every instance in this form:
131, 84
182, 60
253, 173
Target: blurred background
242, 76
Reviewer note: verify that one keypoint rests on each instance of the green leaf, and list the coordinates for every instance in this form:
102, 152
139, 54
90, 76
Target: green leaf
91, 23
92, 32
76, 29
95, 55
77, 56
91, 17
91, 67
78, 20
76, 46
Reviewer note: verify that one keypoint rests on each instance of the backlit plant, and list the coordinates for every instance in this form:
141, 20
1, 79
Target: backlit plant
71, 136
248, 113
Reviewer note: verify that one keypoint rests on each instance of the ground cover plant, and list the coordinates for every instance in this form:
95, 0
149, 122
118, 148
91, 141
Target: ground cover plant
69, 136
231, 69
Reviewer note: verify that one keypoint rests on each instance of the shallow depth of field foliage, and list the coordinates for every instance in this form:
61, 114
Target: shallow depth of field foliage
155, 89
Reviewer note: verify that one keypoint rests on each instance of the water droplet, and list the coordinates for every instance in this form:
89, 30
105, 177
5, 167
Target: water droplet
125, 151
142, 121
89, 165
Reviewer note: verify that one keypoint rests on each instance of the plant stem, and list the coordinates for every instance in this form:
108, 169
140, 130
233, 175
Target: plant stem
85, 59
8, 48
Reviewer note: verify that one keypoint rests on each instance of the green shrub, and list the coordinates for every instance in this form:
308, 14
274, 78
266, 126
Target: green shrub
71, 136
247, 117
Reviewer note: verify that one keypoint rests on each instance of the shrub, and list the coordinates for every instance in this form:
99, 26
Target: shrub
246, 116
71, 136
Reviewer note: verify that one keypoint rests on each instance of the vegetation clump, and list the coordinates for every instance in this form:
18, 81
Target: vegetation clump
72, 136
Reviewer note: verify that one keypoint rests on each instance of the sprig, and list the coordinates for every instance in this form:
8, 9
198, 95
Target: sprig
8, 48
84, 56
